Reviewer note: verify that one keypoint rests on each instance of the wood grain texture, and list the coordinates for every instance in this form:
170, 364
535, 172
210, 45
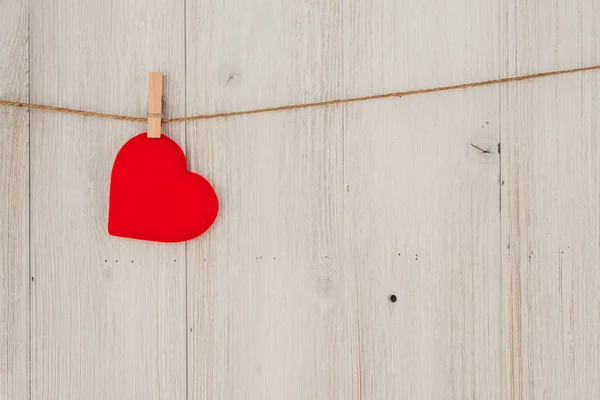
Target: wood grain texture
108, 316
14, 203
267, 288
421, 206
478, 209
550, 202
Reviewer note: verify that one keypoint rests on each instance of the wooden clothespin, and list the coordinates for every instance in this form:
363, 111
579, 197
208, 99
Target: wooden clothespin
155, 98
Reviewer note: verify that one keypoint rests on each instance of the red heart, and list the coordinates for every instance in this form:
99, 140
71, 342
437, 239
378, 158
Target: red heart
154, 197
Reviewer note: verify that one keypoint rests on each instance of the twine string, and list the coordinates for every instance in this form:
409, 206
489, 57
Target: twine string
9, 103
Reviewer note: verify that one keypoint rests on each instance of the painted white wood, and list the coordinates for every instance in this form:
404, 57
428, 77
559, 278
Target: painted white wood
325, 213
268, 304
421, 202
550, 202
108, 314
14, 203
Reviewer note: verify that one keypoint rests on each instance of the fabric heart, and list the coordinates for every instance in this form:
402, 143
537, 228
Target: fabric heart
154, 197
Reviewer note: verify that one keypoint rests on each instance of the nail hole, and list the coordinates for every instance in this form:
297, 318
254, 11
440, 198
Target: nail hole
393, 298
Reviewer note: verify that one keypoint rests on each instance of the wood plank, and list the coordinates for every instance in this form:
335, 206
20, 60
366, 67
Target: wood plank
14, 203
108, 316
550, 202
267, 294
421, 201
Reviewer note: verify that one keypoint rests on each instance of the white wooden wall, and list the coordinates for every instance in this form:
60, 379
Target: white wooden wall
325, 213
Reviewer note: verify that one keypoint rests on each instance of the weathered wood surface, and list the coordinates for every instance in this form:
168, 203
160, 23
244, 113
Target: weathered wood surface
14, 203
477, 209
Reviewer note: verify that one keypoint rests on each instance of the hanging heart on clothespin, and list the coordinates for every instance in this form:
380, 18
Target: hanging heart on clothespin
153, 196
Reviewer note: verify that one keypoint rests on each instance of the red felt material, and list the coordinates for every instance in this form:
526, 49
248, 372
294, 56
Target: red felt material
154, 197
